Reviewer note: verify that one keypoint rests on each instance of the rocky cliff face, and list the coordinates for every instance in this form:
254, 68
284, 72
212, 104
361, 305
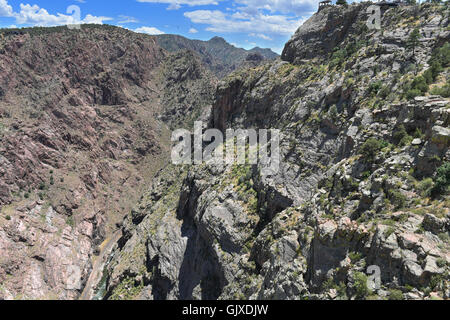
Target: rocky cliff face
324, 32
363, 180
80, 136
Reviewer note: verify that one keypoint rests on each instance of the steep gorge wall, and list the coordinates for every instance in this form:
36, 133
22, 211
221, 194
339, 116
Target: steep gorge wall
311, 230
80, 136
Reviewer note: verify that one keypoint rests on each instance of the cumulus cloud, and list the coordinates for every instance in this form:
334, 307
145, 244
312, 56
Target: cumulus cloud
260, 18
260, 23
176, 4
94, 19
127, 19
149, 30
283, 6
37, 16
261, 36
193, 30
5, 9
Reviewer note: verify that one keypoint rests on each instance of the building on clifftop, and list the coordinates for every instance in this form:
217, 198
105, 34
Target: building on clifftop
324, 4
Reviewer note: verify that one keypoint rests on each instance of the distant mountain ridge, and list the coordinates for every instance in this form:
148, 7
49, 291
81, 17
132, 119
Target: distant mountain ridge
219, 55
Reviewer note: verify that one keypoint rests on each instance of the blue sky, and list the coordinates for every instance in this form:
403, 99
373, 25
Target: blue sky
244, 23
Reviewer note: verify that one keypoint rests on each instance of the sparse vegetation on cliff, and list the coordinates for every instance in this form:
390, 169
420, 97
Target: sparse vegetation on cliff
362, 183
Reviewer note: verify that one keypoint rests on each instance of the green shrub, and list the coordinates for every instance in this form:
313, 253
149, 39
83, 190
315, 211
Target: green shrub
440, 59
418, 134
355, 256
419, 86
389, 231
8, 217
384, 92
349, 82
370, 149
432, 73
333, 112
353, 48
441, 263
401, 137
428, 75
420, 83
128, 289
411, 94
444, 237
375, 87
366, 175
360, 285
425, 186
70, 221
395, 295
409, 287
441, 180
328, 284
397, 198
442, 91
441, 56
436, 282
338, 57
342, 290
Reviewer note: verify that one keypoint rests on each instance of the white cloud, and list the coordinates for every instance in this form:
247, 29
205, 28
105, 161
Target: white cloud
37, 16
176, 4
127, 19
264, 19
282, 6
261, 36
193, 30
5, 9
149, 30
95, 20
239, 22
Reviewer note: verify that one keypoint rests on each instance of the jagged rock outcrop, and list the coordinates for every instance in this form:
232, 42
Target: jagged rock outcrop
355, 188
188, 90
325, 31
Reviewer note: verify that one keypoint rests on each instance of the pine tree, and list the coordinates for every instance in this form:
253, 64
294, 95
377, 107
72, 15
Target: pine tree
413, 40
341, 2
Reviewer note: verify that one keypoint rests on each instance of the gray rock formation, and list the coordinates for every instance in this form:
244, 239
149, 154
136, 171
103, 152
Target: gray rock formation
352, 191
